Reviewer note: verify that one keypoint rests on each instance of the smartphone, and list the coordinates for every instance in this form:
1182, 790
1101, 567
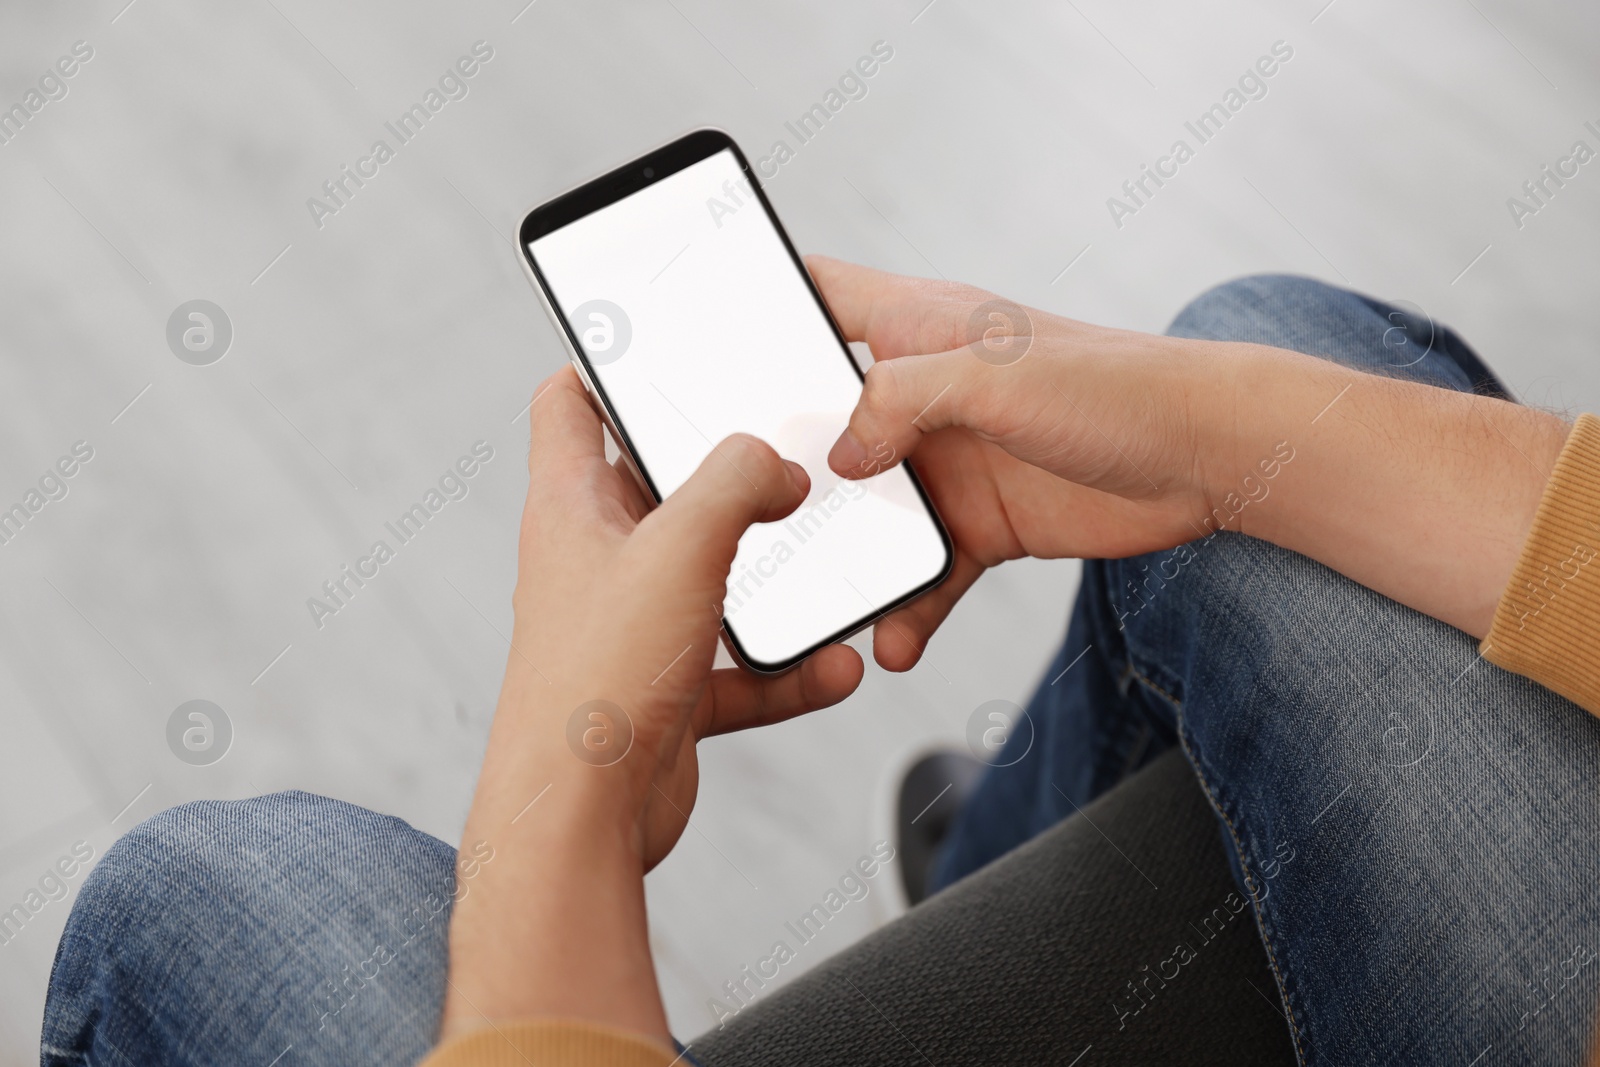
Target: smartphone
690, 317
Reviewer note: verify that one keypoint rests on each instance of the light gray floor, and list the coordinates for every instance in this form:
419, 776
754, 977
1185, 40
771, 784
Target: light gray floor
373, 351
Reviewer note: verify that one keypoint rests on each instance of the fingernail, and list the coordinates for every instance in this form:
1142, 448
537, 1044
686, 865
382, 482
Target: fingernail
797, 474
847, 454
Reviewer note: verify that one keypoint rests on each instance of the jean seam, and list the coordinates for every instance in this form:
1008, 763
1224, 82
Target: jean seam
1262, 924
1130, 671
1136, 751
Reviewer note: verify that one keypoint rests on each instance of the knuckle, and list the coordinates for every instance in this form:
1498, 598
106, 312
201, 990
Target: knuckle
945, 308
879, 392
753, 456
963, 295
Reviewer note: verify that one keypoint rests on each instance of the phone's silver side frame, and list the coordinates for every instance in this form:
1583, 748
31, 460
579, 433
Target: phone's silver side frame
598, 399
559, 322
588, 383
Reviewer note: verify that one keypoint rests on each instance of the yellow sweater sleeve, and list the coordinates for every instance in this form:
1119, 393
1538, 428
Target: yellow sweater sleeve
550, 1043
1547, 624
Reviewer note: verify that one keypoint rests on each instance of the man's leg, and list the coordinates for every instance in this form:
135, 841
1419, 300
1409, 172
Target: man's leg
1082, 736
287, 929
1415, 828
293, 929
1084, 733
1305, 315
1117, 937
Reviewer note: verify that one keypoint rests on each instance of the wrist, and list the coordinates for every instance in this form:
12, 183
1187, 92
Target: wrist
1421, 493
1216, 384
563, 883
1259, 410
548, 732
579, 755
553, 924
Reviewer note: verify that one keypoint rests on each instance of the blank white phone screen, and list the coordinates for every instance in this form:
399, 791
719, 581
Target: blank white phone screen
697, 324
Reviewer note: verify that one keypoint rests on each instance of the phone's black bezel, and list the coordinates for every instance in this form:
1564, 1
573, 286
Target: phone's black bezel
623, 182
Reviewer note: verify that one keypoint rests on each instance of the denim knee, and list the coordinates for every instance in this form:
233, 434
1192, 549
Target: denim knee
218, 843
225, 931
199, 844
196, 872
1250, 303
1317, 319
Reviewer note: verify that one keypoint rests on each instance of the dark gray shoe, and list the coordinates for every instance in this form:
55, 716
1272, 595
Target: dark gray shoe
931, 793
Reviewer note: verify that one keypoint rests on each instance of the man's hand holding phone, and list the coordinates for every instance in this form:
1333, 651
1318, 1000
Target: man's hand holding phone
1083, 447
609, 684
1106, 443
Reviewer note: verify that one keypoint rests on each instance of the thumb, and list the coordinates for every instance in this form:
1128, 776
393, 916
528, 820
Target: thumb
742, 481
907, 398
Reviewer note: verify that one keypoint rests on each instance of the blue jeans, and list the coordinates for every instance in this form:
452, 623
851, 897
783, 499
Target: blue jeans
1414, 828
249, 932
1418, 831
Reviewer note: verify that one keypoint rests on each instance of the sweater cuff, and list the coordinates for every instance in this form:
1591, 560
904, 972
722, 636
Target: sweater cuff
550, 1043
1547, 624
